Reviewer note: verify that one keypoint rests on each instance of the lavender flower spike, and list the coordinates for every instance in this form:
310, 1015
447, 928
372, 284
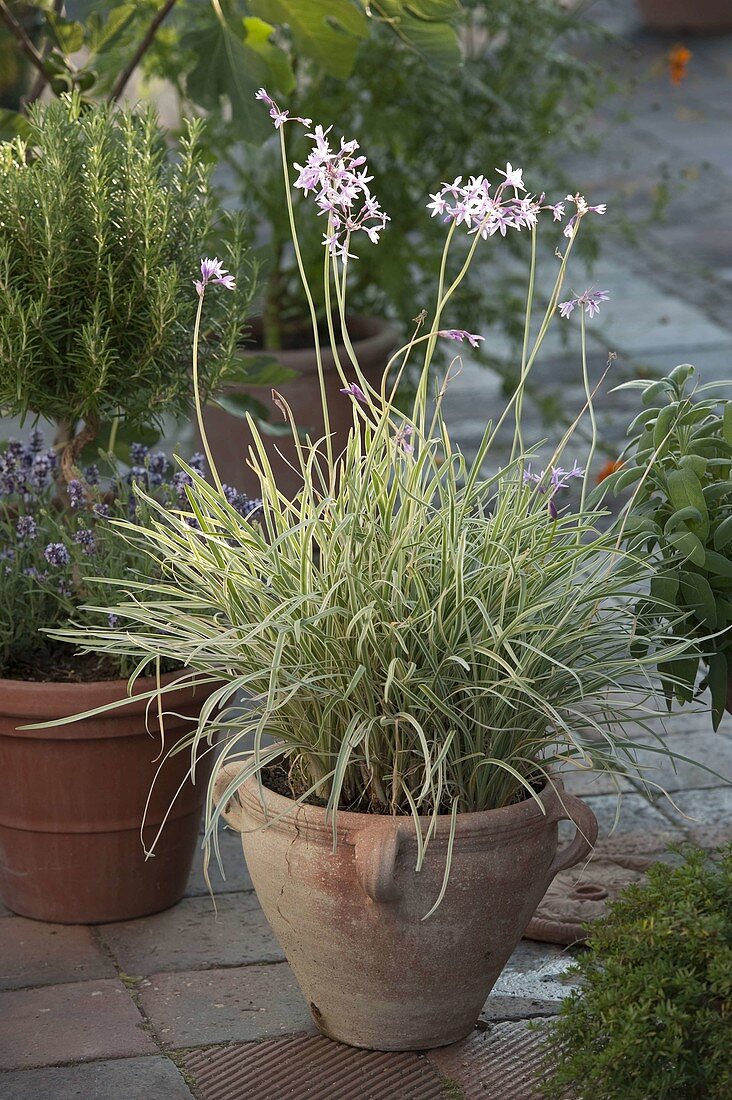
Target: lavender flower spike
589, 301
214, 271
460, 334
354, 390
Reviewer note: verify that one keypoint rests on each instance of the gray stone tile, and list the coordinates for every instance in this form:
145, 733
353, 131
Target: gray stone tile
121, 1079
34, 953
192, 936
640, 828
243, 1004
77, 1022
709, 815
235, 868
536, 971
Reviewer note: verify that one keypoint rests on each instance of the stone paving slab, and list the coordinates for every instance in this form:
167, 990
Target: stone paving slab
235, 869
641, 828
193, 935
153, 1078
237, 1004
33, 953
710, 812
75, 1022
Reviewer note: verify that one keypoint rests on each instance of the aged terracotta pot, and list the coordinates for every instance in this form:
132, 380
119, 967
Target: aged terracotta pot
72, 800
700, 16
373, 972
229, 437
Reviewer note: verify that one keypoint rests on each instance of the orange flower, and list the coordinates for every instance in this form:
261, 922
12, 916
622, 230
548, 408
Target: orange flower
678, 62
609, 468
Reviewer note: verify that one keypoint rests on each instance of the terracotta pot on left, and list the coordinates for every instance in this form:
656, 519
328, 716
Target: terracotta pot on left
72, 799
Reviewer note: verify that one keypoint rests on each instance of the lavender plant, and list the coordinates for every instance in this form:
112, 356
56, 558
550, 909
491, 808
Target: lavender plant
99, 229
53, 558
416, 636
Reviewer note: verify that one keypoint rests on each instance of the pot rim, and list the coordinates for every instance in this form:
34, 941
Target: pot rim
381, 336
31, 699
517, 816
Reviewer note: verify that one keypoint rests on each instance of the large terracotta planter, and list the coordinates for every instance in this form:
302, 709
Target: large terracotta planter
374, 973
72, 800
374, 341
700, 16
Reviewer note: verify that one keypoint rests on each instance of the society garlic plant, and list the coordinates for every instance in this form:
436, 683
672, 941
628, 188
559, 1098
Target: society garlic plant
412, 635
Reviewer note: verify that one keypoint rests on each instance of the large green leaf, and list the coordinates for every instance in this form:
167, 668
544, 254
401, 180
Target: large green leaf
684, 490
326, 31
259, 370
234, 59
717, 684
425, 27
699, 597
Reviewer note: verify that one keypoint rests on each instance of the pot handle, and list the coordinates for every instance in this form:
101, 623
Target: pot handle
231, 812
375, 852
579, 813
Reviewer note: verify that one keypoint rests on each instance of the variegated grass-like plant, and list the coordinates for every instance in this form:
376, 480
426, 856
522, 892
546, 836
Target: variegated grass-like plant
413, 636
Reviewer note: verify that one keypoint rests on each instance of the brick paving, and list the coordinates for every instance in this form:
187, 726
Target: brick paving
146, 1008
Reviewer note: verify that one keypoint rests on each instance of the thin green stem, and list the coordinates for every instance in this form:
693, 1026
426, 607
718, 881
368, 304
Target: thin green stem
197, 398
309, 298
518, 442
591, 411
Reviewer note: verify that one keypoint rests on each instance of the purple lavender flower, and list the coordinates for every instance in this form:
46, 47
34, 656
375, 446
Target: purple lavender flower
7, 554
180, 480
214, 271
76, 493
248, 506
85, 538
101, 510
340, 180
156, 465
589, 301
197, 462
460, 334
43, 466
35, 442
137, 476
91, 474
354, 390
56, 554
26, 528
138, 453
279, 117
112, 620
36, 574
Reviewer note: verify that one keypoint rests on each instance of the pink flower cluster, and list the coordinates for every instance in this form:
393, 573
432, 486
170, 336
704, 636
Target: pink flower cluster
340, 179
488, 209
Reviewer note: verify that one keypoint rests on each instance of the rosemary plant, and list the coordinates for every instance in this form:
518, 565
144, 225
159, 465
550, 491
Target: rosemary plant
99, 229
415, 637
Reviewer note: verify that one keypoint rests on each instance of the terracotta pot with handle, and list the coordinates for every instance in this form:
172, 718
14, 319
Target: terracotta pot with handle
229, 437
374, 972
72, 800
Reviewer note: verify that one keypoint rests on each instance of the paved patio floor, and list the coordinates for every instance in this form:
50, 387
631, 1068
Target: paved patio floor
187, 1004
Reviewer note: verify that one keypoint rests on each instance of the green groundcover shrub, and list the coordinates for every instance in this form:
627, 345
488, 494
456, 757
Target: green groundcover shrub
653, 1017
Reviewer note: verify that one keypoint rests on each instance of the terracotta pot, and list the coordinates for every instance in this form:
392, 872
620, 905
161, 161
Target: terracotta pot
374, 341
374, 973
72, 800
701, 16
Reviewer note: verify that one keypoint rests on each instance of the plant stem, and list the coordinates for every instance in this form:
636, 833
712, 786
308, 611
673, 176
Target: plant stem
24, 40
197, 399
121, 82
